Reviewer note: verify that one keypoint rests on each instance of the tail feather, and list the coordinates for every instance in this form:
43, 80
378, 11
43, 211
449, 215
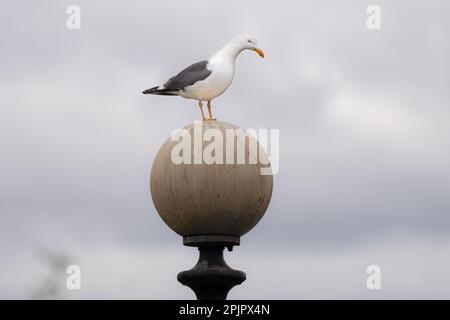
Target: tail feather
158, 91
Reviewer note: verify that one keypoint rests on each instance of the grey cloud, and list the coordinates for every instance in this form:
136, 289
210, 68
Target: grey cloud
362, 117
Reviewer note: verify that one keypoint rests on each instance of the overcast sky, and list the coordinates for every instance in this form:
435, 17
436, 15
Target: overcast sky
364, 145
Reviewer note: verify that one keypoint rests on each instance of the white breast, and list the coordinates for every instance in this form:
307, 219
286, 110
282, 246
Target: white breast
214, 85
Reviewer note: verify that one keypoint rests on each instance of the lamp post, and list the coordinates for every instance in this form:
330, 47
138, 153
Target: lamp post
211, 204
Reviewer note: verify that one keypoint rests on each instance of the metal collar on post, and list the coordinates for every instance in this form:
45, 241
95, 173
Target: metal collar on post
211, 278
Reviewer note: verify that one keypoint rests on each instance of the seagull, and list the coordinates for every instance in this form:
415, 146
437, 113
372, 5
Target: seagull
208, 79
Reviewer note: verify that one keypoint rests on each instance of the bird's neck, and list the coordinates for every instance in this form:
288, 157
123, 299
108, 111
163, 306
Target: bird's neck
228, 53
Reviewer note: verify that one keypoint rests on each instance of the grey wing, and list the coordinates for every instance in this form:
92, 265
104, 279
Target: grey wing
196, 72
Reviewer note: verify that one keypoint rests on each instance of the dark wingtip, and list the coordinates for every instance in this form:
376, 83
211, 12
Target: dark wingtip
153, 90
159, 92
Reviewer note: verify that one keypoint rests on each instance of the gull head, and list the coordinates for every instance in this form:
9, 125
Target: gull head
247, 42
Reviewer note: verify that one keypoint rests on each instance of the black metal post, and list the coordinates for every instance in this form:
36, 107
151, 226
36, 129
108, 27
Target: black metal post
211, 278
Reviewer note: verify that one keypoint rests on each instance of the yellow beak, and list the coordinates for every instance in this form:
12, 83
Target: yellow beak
259, 52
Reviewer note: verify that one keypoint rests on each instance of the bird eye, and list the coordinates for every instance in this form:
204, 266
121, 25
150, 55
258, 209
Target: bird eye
249, 41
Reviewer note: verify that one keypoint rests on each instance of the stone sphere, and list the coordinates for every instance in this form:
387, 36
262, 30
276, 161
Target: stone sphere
196, 193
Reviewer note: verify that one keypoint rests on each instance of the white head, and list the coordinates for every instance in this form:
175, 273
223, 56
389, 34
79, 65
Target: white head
246, 42
232, 49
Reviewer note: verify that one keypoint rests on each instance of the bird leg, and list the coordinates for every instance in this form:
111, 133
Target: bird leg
209, 111
200, 105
